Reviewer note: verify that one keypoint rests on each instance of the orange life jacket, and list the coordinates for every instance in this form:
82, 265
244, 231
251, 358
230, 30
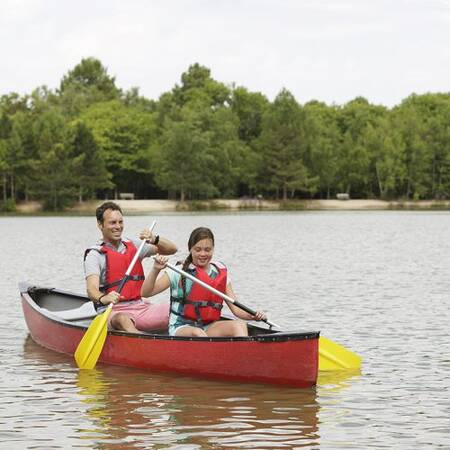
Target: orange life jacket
116, 266
201, 305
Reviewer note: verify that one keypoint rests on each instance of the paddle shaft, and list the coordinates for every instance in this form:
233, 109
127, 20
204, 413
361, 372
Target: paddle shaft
133, 262
220, 294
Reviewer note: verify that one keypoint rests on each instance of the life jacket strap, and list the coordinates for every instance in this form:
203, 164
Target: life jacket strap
105, 287
197, 305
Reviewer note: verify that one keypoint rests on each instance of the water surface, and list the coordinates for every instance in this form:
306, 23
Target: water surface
376, 282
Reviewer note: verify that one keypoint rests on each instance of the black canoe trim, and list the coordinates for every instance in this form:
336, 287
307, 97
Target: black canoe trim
267, 335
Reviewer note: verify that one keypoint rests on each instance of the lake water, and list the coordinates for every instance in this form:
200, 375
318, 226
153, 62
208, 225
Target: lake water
376, 282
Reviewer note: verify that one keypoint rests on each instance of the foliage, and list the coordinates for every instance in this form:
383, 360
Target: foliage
124, 135
282, 145
89, 169
204, 139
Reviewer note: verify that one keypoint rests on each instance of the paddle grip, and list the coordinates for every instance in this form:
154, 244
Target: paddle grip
253, 313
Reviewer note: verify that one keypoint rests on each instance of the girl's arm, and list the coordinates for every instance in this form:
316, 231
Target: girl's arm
238, 312
153, 284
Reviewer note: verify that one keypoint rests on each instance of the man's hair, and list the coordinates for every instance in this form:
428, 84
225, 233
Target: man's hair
100, 211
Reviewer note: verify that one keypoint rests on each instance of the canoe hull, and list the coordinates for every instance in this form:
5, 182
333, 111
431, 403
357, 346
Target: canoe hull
289, 359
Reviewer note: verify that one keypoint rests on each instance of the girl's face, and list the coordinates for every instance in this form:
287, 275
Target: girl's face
202, 252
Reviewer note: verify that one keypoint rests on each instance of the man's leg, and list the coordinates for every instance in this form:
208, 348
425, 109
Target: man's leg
123, 322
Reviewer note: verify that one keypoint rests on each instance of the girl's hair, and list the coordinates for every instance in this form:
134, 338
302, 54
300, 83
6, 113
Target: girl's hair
197, 235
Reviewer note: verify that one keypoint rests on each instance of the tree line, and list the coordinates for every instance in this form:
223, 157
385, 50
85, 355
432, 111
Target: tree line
203, 139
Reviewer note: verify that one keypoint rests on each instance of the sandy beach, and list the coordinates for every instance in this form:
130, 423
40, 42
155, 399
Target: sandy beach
144, 206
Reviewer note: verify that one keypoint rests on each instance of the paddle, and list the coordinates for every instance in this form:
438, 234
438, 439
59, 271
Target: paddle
91, 345
332, 356
220, 294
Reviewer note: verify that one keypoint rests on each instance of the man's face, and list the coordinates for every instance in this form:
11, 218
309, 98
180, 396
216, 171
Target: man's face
112, 226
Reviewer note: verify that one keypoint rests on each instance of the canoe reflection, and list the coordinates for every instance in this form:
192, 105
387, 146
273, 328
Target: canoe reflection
190, 411
129, 408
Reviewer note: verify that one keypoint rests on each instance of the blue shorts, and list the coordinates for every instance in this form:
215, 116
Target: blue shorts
181, 322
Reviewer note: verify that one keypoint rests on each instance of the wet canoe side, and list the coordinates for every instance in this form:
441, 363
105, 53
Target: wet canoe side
279, 358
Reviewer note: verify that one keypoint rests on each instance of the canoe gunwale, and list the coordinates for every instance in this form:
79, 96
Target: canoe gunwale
28, 290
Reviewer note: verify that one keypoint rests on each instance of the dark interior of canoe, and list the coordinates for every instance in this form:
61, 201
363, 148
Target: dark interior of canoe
78, 310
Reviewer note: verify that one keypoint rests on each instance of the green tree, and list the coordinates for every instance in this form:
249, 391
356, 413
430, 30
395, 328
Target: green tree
90, 168
417, 157
282, 145
249, 107
21, 154
354, 160
124, 136
86, 84
197, 86
323, 141
5, 131
232, 168
200, 130
3, 170
183, 160
15, 125
387, 155
200, 155
433, 112
56, 182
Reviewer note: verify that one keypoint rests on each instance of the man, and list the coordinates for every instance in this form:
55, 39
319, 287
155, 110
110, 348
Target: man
105, 265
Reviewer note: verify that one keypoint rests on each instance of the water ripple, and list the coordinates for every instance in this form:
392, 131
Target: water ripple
375, 282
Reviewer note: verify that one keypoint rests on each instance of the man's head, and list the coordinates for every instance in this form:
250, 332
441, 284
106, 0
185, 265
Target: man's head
110, 222
100, 211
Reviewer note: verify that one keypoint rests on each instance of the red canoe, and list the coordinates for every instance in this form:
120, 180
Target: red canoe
58, 320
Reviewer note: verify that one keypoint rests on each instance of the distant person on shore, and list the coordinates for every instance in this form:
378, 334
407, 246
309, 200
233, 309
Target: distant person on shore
194, 310
105, 265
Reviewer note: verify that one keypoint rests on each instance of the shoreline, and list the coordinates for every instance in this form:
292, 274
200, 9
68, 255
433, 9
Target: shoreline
144, 206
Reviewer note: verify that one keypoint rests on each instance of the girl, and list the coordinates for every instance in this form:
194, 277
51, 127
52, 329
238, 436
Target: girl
194, 310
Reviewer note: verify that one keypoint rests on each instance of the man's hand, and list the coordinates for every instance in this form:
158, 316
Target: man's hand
148, 236
111, 297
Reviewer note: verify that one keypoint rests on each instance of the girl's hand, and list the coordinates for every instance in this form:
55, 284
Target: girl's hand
260, 315
160, 261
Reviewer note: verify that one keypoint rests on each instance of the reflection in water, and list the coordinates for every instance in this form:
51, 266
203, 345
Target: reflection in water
127, 408
337, 380
142, 408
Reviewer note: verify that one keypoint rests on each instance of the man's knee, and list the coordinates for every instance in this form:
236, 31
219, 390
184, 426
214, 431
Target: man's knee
121, 321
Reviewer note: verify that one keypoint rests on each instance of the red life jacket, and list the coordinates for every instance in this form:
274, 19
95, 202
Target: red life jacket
116, 266
201, 305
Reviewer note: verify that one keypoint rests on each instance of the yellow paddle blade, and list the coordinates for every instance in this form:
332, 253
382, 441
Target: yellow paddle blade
333, 356
91, 344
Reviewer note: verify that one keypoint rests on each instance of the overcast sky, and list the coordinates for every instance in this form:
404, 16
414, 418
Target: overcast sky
328, 50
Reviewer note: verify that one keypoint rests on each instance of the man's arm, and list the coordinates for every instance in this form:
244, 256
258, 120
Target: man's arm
94, 268
165, 247
96, 295
157, 244
93, 288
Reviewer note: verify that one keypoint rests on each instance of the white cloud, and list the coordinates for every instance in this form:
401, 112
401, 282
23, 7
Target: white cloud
330, 50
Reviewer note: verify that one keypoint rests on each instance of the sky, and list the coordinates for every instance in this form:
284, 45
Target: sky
326, 50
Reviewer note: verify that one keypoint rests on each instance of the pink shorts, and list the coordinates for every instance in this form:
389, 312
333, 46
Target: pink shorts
145, 316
